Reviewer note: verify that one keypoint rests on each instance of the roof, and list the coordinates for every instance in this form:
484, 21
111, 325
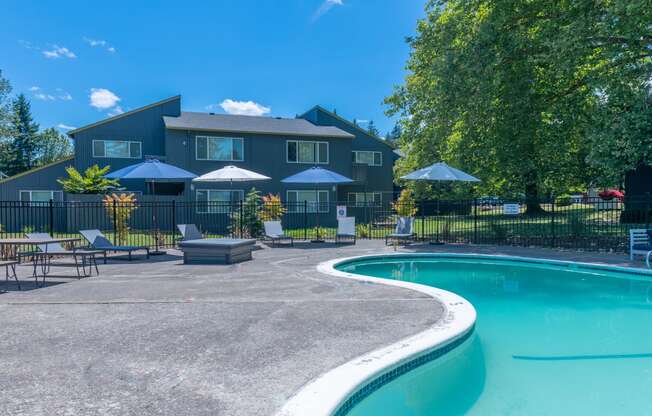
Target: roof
251, 124
71, 133
355, 126
28, 172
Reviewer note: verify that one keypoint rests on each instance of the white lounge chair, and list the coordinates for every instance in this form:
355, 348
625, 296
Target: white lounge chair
345, 230
274, 232
640, 243
403, 232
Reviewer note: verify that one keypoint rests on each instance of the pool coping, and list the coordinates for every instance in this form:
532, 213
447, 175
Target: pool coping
334, 393
328, 393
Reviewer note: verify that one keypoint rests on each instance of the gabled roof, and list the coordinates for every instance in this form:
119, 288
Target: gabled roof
251, 124
343, 120
28, 172
71, 133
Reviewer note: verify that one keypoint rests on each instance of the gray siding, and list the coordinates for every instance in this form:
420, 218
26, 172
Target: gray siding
145, 126
378, 178
40, 179
265, 154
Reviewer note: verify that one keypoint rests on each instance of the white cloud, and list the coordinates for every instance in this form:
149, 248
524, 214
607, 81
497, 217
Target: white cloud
59, 52
65, 127
99, 43
325, 8
42, 95
115, 111
103, 99
247, 108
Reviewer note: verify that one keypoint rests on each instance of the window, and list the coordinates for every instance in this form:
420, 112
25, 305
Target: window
117, 148
218, 201
41, 196
301, 151
368, 157
226, 149
297, 200
362, 199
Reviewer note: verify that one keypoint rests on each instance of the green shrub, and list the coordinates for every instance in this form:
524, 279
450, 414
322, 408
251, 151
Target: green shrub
498, 231
576, 225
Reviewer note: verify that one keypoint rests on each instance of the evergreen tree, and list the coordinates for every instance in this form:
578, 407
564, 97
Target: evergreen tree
393, 136
372, 129
24, 136
6, 152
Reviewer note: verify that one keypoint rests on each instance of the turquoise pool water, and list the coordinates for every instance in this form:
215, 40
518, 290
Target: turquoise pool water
549, 340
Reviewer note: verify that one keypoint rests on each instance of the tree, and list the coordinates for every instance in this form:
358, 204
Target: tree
52, 146
23, 132
372, 129
6, 150
507, 89
246, 220
91, 182
394, 135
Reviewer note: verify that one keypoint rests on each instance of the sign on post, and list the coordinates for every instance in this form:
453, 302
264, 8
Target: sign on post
511, 209
341, 211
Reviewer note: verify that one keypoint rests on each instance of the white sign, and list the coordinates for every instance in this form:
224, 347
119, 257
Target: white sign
511, 209
341, 211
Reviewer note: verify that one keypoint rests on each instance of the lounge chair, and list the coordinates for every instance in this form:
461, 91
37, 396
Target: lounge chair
189, 232
403, 232
345, 230
274, 232
640, 243
51, 250
98, 241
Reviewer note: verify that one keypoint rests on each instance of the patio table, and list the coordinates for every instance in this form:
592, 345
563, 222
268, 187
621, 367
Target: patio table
8, 248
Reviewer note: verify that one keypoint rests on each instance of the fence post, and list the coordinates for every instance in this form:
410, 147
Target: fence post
174, 221
51, 215
552, 222
115, 223
475, 220
423, 219
241, 219
305, 220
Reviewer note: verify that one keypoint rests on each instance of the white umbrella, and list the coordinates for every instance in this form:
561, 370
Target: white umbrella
231, 174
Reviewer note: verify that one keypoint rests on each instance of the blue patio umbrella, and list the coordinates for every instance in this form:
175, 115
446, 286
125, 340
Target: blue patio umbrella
317, 176
152, 170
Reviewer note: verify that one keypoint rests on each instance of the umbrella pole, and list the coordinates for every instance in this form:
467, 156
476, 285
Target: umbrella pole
317, 233
156, 252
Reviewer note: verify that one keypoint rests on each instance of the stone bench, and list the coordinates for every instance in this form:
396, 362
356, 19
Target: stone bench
216, 250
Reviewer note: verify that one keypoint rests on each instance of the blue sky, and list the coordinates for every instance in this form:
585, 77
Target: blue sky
80, 61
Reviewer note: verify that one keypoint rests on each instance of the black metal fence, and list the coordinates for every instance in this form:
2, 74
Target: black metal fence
585, 223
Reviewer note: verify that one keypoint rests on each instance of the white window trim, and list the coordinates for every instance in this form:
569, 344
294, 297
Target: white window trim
296, 204
198, 205
140, 146
373, 152
369, 202
219, 160
317, 162
30, 191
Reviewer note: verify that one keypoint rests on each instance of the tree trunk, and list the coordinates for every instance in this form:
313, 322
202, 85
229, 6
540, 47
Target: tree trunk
532, 202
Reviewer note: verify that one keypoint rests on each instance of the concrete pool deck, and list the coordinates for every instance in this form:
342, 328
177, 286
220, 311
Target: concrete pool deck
157, 337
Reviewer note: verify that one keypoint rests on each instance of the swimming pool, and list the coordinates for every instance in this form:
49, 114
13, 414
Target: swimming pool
551, 338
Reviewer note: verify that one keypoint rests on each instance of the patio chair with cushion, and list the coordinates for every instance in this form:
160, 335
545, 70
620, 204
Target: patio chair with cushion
345, 230
640, 243
189, 232
98, 241
403, 232
274, 232
81, 257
